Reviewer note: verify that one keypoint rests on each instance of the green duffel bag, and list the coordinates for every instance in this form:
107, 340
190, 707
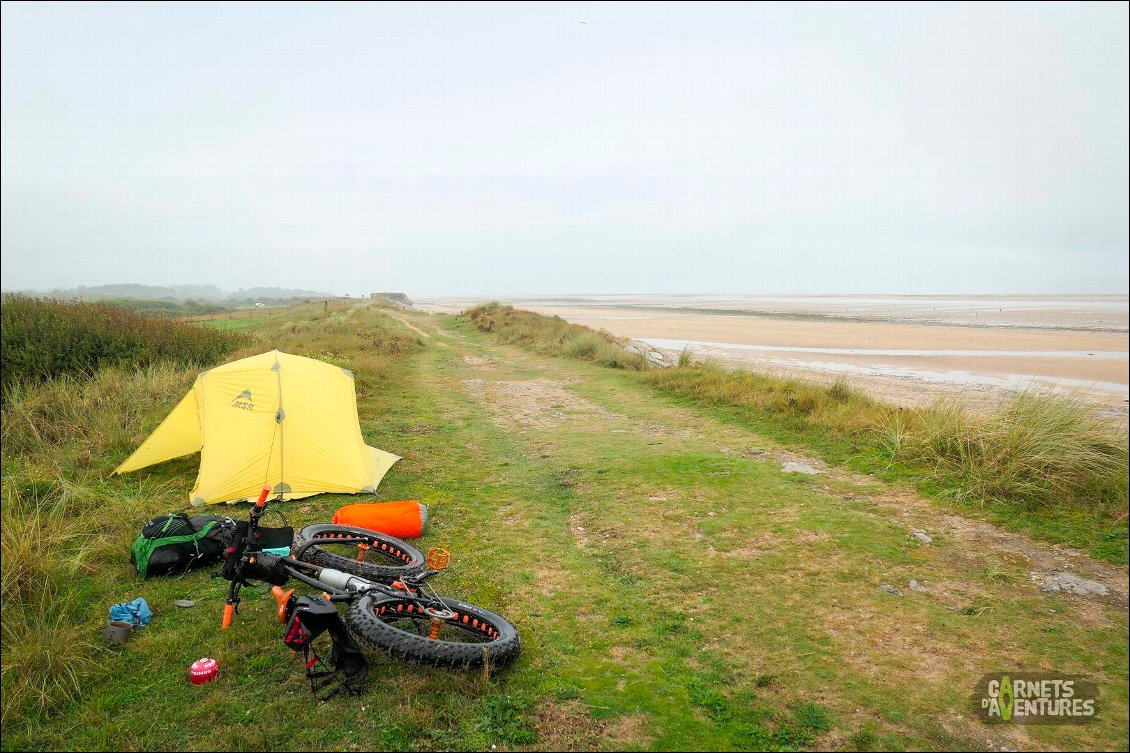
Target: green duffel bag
175, 543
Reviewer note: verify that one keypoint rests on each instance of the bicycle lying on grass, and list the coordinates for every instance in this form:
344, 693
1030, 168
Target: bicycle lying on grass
392, 605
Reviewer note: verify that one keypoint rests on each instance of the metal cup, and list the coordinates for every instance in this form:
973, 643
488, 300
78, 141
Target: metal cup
117, 632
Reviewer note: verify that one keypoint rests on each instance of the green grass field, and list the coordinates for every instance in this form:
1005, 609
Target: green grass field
673, 586
234, 323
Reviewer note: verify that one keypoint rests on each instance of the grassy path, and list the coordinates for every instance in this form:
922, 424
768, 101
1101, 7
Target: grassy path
771, 581
673, 588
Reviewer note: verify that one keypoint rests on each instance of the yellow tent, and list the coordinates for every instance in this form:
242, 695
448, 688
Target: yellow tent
272, 419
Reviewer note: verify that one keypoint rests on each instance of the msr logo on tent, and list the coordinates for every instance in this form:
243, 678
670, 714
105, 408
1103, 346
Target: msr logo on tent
243, 400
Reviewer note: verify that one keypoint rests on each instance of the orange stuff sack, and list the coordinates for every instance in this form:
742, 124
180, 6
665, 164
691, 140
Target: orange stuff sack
404, 520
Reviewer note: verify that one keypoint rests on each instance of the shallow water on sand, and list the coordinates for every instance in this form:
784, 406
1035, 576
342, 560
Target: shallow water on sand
681, 344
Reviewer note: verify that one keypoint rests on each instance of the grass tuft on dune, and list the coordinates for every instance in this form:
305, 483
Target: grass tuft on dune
553, 336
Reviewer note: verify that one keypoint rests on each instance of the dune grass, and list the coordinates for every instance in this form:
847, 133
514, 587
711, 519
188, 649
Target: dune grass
1040, 462
837, 410
1037, 449
553, 336
60, 441
44, 338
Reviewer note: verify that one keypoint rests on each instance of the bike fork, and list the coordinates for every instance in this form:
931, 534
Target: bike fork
231, 605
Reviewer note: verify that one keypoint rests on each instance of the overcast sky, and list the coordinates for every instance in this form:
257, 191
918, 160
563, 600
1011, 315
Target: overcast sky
572, 148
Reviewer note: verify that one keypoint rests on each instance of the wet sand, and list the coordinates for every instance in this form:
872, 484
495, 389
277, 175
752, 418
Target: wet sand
900, 349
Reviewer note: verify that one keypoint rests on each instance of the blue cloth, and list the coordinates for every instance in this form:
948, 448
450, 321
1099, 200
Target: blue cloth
136, 612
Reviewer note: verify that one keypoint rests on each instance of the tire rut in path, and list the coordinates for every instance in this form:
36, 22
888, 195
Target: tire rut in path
549, 403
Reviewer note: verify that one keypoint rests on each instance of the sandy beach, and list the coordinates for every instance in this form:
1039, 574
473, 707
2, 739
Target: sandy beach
910, 350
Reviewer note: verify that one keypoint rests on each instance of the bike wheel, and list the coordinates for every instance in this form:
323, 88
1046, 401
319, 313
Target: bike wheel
467, 639
385, 559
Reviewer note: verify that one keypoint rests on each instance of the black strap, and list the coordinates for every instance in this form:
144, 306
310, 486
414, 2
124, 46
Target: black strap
336, 680
347, 668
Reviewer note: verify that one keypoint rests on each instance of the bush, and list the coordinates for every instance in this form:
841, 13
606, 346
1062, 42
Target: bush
44, 338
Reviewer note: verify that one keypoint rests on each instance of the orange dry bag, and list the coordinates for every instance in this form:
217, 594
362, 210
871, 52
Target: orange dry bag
404, 520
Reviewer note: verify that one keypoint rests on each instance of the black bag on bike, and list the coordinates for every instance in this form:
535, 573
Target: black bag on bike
307, 618
269, 538
176, 543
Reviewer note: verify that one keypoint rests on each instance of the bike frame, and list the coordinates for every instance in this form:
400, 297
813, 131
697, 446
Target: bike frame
335, 585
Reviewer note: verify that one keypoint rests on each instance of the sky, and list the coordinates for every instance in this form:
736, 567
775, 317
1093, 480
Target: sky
465, 149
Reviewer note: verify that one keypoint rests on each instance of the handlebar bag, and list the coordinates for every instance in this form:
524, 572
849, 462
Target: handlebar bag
269, 538
270, 568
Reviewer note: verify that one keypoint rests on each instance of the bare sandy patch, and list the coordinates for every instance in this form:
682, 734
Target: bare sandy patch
877, 643
477, 361
625, 730
759, 546
806, 536
568, 725
984, 545
535, 403
552, 580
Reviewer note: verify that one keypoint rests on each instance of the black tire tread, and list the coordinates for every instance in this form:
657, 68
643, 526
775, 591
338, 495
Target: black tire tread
370, 632
316, 555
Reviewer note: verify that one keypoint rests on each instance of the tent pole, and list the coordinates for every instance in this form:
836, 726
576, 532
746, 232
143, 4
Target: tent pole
279, 417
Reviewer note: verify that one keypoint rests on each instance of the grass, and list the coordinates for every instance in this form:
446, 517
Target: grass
169, 308
1037, 450
43, 338
669, 595
60, 441
553, 336
233, 324
1041, 462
